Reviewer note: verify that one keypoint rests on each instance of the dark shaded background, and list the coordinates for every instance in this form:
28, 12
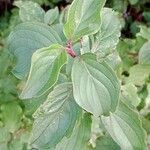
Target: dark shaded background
131, 13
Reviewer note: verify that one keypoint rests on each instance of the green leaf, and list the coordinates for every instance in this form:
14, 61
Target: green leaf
113, 60
146, 124
133, 2
86, 45
144, 54
138, 74
51, 16
83, 18
25, 39
55, 118
11, 116
108, 36
95, 85
146, 98
134, 28
5, 136
45, 68
125, 128
59, 29
80, 136
146, 15
30, 11
31, 105
144, 32
106, 143
16, 145
3, 146
63, 15
119, 5
130, 95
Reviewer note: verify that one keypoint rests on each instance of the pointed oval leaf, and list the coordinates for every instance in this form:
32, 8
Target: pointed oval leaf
83, 18
80, 136
108, 36
30, 11
51, 16
95, 85
125, 128
55, 118
144, 54
45, 67
25, 39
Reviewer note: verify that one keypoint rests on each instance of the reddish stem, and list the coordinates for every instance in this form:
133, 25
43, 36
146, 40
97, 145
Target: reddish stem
70, 50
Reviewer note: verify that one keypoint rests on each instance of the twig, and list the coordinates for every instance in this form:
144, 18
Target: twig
70, 51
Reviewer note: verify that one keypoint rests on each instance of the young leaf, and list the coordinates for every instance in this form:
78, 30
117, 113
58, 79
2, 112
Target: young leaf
30, 11
45, 67
55, 118
125, 128
108, 36
144, 54
95, 85
51, 16
83, 18
25, 39
80, 136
